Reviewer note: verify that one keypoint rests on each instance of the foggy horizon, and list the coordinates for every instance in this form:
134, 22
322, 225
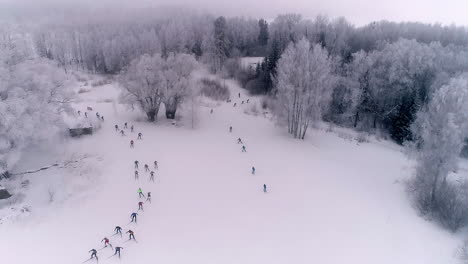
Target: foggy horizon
359, 12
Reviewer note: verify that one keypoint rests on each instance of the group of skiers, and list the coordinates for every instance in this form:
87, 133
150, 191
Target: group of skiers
118, 230
132, 129
147, 169
134, 215
98, 116
106, 241
235, 104
243, 148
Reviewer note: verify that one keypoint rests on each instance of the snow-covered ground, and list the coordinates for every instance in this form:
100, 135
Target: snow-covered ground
329, 200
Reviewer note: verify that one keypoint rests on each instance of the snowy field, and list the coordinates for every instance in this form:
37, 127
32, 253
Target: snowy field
329, 200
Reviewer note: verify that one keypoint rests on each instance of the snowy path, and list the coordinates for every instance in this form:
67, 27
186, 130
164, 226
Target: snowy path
329, 200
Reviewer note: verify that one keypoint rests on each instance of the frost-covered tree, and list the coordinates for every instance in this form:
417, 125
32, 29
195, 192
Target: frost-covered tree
286, 28
401, 76
304, 82
152, 80
173, 35
220, 42
440, 130
385, 88
143, 82
33, 99
242, 36
177, 71
357, 75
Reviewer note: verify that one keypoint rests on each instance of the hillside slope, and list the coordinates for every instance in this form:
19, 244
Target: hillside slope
329, 200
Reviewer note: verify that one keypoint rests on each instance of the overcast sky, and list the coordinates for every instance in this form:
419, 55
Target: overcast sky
357, 11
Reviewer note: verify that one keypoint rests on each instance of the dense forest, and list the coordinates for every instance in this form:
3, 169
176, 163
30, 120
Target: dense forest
381, 74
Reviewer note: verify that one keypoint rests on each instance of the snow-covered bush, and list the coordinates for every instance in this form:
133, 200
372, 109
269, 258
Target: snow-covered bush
344, 135
214, 89
252, 109
440, 131
362, 137
101, 82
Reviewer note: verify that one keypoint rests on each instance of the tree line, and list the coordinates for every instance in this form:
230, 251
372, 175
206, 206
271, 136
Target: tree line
383, 72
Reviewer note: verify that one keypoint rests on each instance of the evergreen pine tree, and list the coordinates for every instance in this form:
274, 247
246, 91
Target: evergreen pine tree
263, 35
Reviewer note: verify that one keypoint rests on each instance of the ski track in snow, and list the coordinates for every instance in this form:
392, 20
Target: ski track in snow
328, 201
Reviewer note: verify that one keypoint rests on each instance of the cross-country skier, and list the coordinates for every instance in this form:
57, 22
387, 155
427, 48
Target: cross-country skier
132, 144
239, 141
235, 104
156, 164
86, 114
211, 111
152, 176
243, 149
136, 164
102, 118
94, 254
239, 95
136, 175
140, 206
122, 132
79, 112
139, 135
118, 230
149, 197
134, 218
264, 188
97, 115
253, 170
131, 129
140, 193
242, 101
230, 129
117, 251
125, 125
146, 168
106, 242
116, 128
248, 100
131, 235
